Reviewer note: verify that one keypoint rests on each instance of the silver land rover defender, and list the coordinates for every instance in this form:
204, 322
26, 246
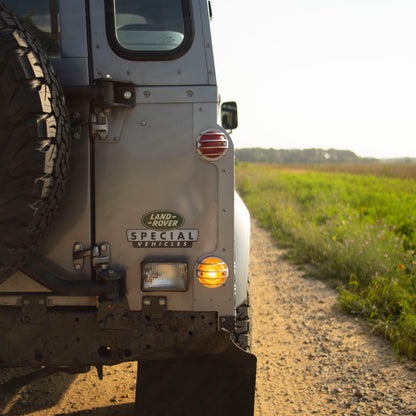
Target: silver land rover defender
121, 236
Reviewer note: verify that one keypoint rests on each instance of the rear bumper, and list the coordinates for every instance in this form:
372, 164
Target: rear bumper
35, 335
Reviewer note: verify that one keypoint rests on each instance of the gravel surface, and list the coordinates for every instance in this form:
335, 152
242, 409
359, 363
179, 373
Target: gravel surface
312, 359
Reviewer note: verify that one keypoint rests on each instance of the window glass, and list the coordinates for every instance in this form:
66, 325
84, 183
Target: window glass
36, 16
149, 25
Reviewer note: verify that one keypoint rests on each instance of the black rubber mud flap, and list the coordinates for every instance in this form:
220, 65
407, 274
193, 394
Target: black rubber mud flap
215, 384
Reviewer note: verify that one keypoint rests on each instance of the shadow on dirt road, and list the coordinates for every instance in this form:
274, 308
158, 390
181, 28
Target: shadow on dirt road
115, 410
22, 391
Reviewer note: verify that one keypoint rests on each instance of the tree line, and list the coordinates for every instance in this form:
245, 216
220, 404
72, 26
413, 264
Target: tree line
288, 156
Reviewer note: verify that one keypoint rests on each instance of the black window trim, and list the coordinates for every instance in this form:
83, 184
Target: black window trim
150, 55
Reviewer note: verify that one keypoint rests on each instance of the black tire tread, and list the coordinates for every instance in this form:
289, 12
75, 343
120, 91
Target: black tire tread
35, 142
242, 333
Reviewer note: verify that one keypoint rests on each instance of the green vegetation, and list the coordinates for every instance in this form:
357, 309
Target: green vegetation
357, 231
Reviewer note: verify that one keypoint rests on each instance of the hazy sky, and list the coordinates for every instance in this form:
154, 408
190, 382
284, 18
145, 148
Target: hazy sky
320, 73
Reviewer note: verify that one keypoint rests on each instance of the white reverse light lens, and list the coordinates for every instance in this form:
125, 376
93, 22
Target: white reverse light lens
164, 277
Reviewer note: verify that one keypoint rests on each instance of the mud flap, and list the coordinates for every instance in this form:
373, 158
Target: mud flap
220, 384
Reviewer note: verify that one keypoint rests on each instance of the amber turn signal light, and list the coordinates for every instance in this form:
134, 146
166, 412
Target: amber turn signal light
212, 272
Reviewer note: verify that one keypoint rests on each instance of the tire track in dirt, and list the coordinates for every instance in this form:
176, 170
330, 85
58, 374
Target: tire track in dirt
312, 359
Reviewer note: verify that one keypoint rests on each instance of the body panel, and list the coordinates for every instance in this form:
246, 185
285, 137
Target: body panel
148, 162
242, 249
190, 69
157, 142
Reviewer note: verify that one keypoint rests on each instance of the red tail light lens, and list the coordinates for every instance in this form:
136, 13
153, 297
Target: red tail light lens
212, 144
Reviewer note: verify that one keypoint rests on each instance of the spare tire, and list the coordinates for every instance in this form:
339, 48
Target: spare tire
34, 142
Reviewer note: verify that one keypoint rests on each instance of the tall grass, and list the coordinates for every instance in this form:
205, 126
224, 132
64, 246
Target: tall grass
358, 231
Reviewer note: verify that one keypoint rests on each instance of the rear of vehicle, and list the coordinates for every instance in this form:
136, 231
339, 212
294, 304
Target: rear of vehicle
147, 258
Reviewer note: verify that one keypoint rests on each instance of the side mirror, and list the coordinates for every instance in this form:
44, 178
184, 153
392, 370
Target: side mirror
229, 118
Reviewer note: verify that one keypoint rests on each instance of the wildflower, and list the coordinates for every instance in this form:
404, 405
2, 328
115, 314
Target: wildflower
400, 267
363, 209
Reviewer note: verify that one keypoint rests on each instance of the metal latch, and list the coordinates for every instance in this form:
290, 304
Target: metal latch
99, 124
100, 256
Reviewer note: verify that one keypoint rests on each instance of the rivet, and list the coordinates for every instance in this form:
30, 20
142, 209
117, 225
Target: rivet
78, 266
127, 95
77, 246
143, 123
103, 247
146, 93
189, 93
147, 301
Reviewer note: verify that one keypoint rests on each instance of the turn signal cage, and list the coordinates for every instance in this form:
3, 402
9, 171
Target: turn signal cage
212, 145
212, 272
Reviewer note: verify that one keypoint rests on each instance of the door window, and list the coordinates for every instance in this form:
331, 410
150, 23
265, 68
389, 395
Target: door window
142, 29
36, 16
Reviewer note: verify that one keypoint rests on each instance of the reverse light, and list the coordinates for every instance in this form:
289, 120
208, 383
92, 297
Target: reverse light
212, 272
164, 277
212, 144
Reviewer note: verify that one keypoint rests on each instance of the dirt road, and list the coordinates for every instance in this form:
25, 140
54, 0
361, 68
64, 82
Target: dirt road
312, 359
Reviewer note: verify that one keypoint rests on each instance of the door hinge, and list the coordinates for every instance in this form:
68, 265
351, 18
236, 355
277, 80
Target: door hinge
113, 94
105, 94
100, 255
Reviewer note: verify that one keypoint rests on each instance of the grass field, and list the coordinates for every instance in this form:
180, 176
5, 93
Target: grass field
355, 226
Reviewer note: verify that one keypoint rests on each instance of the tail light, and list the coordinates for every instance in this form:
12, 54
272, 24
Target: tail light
212, 144
212, 272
